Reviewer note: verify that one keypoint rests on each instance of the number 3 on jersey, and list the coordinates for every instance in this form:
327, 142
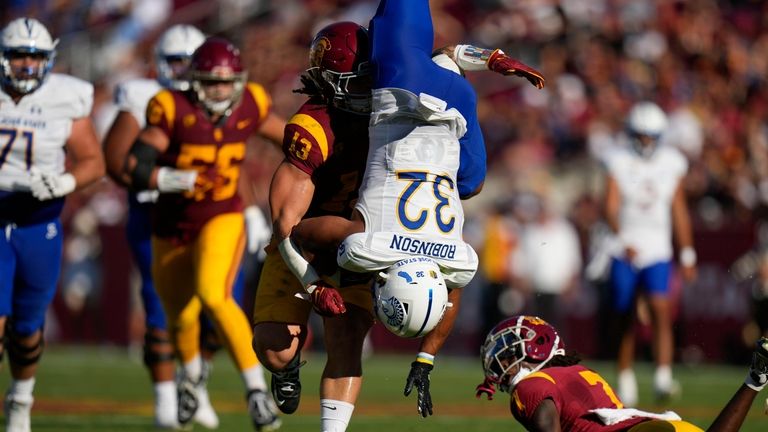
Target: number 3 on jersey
415, 179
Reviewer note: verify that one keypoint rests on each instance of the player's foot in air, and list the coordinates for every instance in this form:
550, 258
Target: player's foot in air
286, 387
17, 413
205, 414
262, 410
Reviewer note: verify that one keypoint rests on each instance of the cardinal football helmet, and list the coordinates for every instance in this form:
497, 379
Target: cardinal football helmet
339, 65
514, 340
21, 37
173, 53
645, 124
410, 297
215, 61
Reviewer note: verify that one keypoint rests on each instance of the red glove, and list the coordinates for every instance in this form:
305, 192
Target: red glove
327, 301
506, 65
487, 388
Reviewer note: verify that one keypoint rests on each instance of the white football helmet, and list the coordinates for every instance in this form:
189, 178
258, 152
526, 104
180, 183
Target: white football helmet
410, 297
645, 119
26, 36
176, 44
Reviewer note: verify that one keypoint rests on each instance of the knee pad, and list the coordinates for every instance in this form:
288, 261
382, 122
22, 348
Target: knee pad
157, 347
23, 353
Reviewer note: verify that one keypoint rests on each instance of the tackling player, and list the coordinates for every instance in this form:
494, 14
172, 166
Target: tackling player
426, 153
550, 390
325, 146
191, 151
42, 116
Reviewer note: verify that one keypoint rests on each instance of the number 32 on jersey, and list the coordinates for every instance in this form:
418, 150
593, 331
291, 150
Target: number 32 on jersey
435, 205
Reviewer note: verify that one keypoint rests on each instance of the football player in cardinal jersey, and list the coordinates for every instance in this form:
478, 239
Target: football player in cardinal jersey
190, 151
645, 205
550, 391
42, 116
172, 55
426, 153
325, 146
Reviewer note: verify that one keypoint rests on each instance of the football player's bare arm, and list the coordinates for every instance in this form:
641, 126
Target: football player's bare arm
434, 340
272, 129
325, 232
290, 195
612, 204
681, 223
139, 171
83, 146
117, 144
545, 418
732, 415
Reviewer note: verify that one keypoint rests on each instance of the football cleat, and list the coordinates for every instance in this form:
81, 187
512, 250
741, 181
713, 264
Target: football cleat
286, 387
189, 401
17, 413
262, 410
205, 414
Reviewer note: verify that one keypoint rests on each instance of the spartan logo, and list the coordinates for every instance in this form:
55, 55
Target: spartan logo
318, 51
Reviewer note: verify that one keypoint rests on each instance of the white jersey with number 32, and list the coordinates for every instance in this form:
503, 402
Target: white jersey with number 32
33, 132
409, 197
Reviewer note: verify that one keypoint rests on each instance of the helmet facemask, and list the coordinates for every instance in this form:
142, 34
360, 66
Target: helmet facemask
173, 54
347, 91
215, 95
25, 79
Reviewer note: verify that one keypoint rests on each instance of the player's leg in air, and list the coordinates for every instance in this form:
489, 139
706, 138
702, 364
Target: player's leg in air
209, 346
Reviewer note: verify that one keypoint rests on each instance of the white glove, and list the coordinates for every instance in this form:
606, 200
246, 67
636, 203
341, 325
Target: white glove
257, 230
45, 186
174, 180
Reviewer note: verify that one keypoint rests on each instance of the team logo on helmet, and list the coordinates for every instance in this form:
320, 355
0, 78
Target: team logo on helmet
319, 49
394, 310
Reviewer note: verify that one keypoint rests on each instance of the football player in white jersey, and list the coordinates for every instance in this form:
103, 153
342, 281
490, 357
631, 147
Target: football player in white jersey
42, 116
644, 206
426, 153
172, 55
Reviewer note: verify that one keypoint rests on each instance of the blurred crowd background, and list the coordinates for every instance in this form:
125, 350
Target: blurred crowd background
537, 224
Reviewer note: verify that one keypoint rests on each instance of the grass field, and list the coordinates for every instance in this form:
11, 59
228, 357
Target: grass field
100, 389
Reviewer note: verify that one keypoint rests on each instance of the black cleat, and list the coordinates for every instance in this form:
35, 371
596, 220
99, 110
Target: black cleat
286, 387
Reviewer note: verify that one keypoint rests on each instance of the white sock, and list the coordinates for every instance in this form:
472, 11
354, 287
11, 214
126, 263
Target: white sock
193, 369
165, 393
663, 377
627, 390
22, 389
335, 415
254, 378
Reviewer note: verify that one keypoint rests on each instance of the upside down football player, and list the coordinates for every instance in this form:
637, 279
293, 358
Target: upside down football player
551, 392
191, 151
426, 153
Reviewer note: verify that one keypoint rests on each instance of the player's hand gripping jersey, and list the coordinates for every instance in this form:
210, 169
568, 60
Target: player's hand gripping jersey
215, 151
33, 134
426, 152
